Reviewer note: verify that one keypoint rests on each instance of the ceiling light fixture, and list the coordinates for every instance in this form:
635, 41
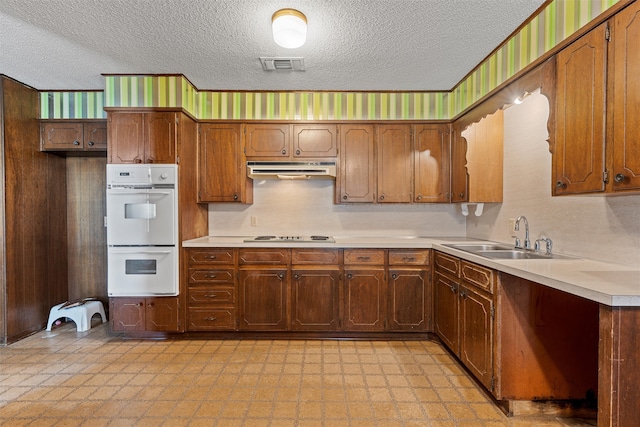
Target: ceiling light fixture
289, 28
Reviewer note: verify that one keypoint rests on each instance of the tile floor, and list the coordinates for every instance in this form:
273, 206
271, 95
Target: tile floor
67, 378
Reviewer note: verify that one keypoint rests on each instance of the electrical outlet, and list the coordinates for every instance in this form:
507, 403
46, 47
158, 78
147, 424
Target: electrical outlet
254, 221
512, 225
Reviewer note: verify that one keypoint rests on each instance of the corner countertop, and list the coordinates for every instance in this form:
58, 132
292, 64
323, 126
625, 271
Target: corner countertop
606, 283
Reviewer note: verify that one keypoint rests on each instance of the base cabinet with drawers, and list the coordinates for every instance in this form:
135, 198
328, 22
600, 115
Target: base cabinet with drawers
212, 291
308, 290
464, 313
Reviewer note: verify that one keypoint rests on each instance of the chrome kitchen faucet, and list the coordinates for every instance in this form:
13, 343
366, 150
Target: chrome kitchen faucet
527, 242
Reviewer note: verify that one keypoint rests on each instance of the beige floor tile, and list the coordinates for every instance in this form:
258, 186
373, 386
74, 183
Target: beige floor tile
65, 378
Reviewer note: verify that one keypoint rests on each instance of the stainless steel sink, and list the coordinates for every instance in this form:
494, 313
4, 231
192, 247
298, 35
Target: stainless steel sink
502, 251
480, 247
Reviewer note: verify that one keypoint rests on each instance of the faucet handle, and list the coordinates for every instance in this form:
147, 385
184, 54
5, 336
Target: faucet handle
517, 245
548, 244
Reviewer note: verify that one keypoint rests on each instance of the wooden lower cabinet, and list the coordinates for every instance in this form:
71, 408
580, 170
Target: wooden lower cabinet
263, 299
212, 291
464, 313
144, 314
409, 286
365, 299
314, 299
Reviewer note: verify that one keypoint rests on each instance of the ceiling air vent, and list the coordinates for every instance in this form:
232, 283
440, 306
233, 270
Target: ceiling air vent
293, 64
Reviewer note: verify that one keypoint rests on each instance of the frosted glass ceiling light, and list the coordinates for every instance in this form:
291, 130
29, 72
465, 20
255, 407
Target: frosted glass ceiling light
289, 28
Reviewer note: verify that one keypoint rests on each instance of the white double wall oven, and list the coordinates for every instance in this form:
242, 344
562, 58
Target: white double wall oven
142, 230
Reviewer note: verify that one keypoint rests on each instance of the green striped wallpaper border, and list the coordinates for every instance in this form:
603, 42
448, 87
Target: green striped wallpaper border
72, 105
556, 22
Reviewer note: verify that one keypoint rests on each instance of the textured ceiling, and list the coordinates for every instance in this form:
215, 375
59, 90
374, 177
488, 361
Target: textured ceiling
377, 45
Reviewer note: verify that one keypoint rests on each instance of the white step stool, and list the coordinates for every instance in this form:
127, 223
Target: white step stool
80, 314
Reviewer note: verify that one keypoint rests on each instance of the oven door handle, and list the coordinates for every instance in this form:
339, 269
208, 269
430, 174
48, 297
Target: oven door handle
138, 193
141, 252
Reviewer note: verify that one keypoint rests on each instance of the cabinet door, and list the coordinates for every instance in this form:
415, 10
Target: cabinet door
127, 314
395, 163
356, 180
315, 141
267, 140
263, 296
160, 137
314, 299
162, 314
95, 136
408, 299
365, 303
222, 177
459, 175
625, 171
126, 138
446, 311
61, 136
476, 334
431, 169
580, 115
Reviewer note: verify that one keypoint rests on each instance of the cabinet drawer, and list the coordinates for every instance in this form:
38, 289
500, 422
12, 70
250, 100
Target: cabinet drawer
447, 264
315, 256
264, 256
205, 319
211, 256
479, 276
212, 295
197, 276
364, 256
409, 257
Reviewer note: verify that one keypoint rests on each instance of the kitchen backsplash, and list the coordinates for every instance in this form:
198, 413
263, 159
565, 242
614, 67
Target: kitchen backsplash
306, 207
597, 227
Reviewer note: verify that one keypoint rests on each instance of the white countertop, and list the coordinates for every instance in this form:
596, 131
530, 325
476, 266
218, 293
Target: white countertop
605, 283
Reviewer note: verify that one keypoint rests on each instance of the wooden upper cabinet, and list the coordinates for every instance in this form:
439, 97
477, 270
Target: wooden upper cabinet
160, 137
625, 170
579, 157
484, 158
356, 178
290, 142
142, 137
222, 176
267, 140
431, 164
315, 140
459, 175
70, 135
395, 163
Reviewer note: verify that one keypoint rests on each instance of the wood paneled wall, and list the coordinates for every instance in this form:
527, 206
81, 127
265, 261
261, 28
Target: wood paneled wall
34, 227
86, 234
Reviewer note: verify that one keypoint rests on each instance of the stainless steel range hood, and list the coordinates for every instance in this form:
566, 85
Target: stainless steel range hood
291, 170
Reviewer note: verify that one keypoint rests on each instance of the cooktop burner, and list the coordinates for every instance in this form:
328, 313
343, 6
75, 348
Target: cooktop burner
291, 239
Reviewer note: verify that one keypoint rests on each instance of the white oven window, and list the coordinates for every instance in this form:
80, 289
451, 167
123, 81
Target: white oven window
142, 271
140, 211
140, 266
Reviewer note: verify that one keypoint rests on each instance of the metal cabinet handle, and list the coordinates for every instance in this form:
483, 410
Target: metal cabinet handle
394, 276
461, 195
296, 276
138, 161
561, 185
364, 258
281, 276
409, 259
418, 197
76, 142
619, 177
297, 152
284, 152
211, 296
235, 197
453, 289
211, 276
211, 257
345, 197
349, 276
381, 197
211, 319
91, 143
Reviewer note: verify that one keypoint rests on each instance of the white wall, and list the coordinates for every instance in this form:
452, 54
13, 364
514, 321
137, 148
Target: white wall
307, 208
597, 227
